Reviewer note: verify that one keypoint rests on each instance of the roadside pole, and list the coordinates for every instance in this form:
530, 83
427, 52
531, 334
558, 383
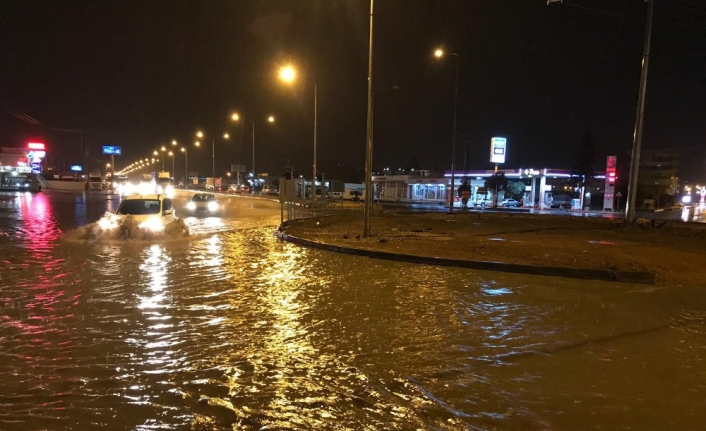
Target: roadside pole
637, 136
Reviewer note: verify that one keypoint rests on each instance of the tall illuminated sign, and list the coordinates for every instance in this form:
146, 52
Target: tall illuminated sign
611, 176
498, 147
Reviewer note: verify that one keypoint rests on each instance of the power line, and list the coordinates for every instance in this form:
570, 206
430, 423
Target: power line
29, 119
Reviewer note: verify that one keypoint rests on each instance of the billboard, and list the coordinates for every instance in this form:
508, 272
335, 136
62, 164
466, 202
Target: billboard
237, 168
498, 147
76, 168
112, 150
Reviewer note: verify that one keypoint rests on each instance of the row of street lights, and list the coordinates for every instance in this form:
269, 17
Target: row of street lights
142, 163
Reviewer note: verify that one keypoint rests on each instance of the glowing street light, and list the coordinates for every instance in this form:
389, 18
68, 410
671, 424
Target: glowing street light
226, 136
199, 134
197, 143
235, 116
174, 143
438, 54
271, 119
287, 74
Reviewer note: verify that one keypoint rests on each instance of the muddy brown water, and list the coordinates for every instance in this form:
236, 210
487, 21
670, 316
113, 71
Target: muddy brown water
232, 329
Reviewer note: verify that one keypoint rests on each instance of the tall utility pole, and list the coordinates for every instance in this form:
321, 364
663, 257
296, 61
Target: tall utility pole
313, 181
213, 155
637, 135
453, 141
253, 150
369, 135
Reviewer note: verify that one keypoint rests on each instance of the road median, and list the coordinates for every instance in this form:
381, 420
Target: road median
581, 248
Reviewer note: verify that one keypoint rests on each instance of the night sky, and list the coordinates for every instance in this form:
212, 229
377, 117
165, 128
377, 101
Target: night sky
141, 73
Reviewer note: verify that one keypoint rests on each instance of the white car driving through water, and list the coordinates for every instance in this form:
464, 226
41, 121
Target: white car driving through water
203, 203
151, 211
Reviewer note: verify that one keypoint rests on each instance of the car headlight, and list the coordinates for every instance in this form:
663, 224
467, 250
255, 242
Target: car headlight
212, 206
191, 206
169, 190
154, 224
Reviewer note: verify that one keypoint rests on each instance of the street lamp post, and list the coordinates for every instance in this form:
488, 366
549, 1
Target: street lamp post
440, 53
270, 119
288, 75
369, 135
186, 167
171, 153
199, 134
236, 118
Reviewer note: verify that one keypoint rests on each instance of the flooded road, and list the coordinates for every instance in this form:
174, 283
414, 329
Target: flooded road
231, 329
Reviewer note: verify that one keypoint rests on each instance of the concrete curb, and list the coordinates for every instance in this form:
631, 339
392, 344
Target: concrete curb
551, 271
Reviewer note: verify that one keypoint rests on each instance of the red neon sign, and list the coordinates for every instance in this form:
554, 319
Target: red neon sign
35, 145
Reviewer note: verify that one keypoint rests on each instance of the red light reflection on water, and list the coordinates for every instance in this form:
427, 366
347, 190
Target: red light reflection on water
39, 230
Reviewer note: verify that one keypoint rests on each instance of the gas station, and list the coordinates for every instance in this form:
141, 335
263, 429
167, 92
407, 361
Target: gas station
17, 164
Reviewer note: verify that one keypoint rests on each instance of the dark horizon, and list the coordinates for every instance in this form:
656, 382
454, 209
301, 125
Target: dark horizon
140, 74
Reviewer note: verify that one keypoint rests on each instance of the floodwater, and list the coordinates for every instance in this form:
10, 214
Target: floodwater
230, 329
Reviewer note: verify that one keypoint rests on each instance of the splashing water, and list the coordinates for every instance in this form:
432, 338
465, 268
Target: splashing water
111, 227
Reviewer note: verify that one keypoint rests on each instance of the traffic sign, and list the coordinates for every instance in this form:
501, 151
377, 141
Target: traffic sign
112, 150
618, 194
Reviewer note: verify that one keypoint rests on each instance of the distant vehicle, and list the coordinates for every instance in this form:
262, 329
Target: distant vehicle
484, 202
561, 201
95, 182
233, 188
209, 187
151, 211
335, 195
203, 203
269, 190
510, 203
244, 189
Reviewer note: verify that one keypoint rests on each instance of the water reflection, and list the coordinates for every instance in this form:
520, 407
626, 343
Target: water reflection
236, 330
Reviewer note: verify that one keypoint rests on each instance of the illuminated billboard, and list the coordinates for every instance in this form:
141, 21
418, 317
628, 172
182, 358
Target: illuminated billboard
111, 149
76, 168
498, 147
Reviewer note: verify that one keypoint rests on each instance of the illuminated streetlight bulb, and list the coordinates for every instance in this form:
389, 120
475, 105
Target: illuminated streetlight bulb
226, 136
438, 53
287, 74
271, 119
174, 143
163, 149
199, 134
155, 152
197, 143
235, 117
183, 150
171, 154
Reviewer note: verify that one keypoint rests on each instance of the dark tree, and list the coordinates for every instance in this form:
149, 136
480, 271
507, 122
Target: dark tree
496, 182
515, 188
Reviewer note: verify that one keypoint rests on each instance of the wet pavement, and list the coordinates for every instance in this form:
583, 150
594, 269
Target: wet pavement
231, 329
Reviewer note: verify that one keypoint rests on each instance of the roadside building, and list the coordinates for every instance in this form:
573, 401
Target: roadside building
417, 186
15, 167
658, 180
543, 188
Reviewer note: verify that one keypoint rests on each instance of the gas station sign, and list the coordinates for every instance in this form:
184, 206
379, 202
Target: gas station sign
611, 176
498, 147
